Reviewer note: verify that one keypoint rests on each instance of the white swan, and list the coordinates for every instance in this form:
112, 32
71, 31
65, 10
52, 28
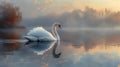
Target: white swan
40, 34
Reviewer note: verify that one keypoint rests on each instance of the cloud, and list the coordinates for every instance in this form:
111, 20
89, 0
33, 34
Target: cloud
49, 1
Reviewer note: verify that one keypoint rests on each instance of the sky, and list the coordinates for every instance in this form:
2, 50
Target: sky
43, 7
70, 13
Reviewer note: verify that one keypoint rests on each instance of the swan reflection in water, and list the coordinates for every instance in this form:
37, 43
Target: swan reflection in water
42, 47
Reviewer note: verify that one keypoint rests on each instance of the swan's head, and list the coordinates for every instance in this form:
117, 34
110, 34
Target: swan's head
58, 25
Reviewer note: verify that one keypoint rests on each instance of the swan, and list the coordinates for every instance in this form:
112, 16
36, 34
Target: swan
40, 34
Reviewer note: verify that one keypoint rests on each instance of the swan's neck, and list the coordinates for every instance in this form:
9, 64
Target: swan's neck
55, 34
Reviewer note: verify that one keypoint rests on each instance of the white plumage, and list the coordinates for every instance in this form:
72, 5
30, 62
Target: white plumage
40, 34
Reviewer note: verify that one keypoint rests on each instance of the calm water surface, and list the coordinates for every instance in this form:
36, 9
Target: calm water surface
77, 48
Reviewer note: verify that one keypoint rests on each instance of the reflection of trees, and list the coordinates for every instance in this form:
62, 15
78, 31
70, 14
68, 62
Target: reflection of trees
11, 34
9, 15
8, 48
91, 39
91, 43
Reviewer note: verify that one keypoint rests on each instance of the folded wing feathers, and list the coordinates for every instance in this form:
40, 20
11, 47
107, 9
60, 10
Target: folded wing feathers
41, 33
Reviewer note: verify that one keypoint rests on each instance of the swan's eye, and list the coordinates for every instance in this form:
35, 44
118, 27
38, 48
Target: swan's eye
59, 26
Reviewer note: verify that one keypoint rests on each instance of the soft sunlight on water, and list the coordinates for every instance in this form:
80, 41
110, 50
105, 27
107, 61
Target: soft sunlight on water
83, 48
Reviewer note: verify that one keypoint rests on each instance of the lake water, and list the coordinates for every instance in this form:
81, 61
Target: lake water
77, 48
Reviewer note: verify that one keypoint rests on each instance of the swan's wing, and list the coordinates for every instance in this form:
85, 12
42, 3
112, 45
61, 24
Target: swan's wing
40, 33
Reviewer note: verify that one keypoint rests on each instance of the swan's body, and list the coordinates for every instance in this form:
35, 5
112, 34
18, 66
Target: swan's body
40, 34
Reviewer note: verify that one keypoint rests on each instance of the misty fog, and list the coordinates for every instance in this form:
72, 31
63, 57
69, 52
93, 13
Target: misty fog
89, 17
